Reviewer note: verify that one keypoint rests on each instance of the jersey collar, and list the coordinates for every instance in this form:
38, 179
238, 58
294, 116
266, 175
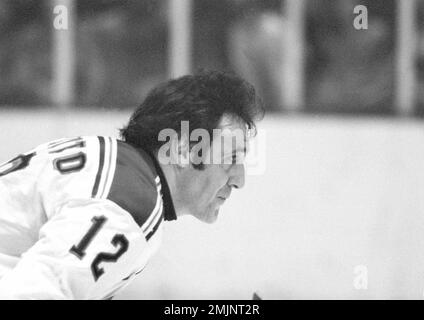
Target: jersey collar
169, 210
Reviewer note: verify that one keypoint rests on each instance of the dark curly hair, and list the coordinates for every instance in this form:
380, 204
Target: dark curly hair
202, 99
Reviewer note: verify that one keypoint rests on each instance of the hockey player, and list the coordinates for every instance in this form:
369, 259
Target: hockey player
80, 217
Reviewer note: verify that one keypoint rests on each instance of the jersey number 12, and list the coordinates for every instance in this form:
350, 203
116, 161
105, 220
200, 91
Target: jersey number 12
119, 240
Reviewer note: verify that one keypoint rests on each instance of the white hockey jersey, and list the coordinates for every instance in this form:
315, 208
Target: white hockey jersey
79, 218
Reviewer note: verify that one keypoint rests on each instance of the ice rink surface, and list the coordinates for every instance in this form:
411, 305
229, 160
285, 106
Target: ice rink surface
337, 194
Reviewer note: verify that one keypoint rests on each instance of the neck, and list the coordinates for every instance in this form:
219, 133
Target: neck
170, 174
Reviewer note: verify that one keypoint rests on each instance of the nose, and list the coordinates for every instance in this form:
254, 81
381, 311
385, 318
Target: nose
237, 176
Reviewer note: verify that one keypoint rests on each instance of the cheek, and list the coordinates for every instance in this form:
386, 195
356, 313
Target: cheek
199, 188
216, 181
208, 184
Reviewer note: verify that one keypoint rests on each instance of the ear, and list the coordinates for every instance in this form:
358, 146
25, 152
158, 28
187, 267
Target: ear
180, 152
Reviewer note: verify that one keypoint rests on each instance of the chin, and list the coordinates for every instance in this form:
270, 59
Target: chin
214, 216
209, 217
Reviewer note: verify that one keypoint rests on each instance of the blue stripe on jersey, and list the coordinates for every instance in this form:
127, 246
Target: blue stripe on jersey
151, 233
101, 164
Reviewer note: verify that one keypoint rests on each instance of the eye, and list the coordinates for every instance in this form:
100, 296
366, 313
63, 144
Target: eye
238, 158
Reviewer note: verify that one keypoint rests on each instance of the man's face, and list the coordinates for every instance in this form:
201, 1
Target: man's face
206, 190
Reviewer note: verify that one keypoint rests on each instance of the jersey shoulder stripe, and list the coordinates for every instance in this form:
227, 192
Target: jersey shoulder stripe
101, 165
155, 219
106, 169
155, 227
135, 186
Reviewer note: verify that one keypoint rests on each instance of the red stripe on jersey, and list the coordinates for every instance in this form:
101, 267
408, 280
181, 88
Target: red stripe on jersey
133, 187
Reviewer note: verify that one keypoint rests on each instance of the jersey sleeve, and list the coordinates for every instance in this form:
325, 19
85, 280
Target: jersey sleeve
87, 250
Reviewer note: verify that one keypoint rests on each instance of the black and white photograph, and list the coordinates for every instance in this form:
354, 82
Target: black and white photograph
212, 150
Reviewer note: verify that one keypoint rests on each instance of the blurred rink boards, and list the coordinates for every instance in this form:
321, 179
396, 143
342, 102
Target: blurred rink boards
338, 195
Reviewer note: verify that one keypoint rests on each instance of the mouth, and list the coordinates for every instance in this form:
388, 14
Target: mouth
224, 195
